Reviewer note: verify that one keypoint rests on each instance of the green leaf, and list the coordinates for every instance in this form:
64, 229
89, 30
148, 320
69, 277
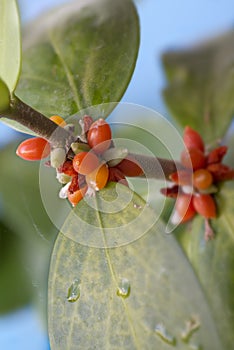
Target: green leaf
201, 86
5, 96
213, 263
80, 55
10, 43
16, 287
159, 289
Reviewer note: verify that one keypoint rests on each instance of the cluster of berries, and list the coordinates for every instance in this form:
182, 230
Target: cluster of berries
90, 164
196, 182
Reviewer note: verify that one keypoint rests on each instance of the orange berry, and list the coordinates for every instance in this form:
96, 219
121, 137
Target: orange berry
58, 120
75, 197
85, 162
98, 178
35, 148
192, 139
194, 158
184, 207
202, 179
204, 205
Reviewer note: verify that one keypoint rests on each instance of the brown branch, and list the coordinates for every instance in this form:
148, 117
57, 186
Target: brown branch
38, 123
153, 167
156, 168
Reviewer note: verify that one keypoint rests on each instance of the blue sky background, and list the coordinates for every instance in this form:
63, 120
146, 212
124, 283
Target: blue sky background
165, 24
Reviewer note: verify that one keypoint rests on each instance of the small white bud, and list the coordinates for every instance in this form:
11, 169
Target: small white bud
113, 156
57, 157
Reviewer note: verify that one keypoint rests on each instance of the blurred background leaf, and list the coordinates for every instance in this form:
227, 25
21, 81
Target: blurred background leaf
14, 277
213, 262
23, 213
201, 86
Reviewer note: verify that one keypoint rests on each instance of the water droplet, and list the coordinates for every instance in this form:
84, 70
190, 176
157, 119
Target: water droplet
164, 335
191, 326
124, 288
137, 206
73, 293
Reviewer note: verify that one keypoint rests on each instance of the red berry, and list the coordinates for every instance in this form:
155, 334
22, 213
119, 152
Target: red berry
194, 158
130, 167
184, 207
85, 162
99, 136
216, 155
67, 168
204, 205
221, 172
35, 148
202, 179
98, 178
171, 192
192, 139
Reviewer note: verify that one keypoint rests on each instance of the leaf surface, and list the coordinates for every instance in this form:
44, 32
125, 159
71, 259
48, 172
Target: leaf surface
5, 96
201, 86
10, 43
80, 55
163, 293
213, 262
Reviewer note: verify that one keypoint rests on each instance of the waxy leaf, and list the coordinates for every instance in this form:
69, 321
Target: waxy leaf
4, 96
140, 295
213, 263
80, 55
10, 43
201, 86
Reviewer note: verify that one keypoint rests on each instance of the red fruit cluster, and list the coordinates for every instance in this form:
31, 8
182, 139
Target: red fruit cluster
89, 170
196, 182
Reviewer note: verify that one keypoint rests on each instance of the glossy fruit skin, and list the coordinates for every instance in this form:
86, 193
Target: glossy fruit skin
130, 167
216, 155
98, 178
194, 158
32, 149
58, 120
85, 162
204, 205
192, 139
184, 207
202, 179
75, 197
99, 136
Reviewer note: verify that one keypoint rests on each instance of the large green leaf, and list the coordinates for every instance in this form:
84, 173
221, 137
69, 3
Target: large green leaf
158, 293
10, 43
201, 86
213, 263
4, 96
78, 56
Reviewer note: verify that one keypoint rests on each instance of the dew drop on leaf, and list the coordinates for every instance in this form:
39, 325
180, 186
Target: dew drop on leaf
73, 293
124, 288
164, 335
